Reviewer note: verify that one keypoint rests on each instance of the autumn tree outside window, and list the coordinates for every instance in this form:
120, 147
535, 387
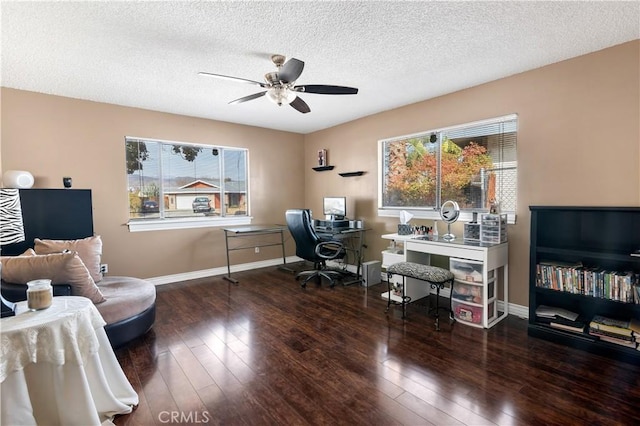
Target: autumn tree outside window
474, 164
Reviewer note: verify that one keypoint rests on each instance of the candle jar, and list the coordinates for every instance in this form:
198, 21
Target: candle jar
39, 294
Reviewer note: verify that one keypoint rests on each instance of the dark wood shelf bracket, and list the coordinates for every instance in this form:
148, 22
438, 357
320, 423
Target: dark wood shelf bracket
349, 174
323, 168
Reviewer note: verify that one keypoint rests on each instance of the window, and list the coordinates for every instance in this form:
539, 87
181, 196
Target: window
474, 164
178, 185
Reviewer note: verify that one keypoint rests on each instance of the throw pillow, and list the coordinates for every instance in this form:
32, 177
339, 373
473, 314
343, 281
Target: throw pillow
28, 252
60, 268
89, 249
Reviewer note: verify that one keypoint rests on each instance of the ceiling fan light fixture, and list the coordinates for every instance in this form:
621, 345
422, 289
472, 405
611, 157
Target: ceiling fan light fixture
280, 88
280, 95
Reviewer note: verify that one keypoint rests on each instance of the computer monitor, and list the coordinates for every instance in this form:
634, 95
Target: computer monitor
335, 207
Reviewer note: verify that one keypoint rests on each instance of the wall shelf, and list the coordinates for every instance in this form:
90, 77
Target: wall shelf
323, 168
348, 174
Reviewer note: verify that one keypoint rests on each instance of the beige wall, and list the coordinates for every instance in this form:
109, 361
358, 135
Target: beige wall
52, 137
578, 143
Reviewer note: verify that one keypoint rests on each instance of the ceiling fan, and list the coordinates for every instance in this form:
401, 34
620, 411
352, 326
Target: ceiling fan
280, 85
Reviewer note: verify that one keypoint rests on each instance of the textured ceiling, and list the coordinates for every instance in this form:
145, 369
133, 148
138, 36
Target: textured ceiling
148, 54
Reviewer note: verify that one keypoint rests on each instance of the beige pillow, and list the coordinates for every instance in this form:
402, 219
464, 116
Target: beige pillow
28, 252
89, 249
60, 268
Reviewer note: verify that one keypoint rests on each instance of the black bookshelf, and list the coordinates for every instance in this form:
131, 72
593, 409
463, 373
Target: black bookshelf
598, 238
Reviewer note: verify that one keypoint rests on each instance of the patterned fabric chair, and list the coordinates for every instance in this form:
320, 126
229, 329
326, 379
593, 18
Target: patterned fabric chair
436, 277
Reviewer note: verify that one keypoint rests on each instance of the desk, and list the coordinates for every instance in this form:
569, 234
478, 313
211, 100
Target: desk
353, 240
57, 367
254, 236
486, 260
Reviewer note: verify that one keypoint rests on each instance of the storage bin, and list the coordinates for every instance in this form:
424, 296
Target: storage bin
471, 232
467, 313
466, 270
389, 258
493, 228
467, 292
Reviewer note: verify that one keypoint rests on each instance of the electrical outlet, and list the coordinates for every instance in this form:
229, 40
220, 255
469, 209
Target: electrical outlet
104, 268
257, 249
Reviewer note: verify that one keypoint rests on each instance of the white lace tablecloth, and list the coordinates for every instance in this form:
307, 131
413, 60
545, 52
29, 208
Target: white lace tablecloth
57, 367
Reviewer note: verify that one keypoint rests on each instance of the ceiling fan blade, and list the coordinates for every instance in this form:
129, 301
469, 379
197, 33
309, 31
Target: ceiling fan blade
300, 105
291, 70
247, 98
237, 79
323, 89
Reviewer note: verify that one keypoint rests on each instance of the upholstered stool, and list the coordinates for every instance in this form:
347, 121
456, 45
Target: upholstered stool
436, 277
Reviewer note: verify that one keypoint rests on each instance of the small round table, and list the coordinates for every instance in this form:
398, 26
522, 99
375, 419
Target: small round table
57, 367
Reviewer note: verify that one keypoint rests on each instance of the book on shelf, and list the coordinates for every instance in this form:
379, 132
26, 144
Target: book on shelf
579, 279
614, 335
576, 326
553, 312
611, 325
558, 275
620, 342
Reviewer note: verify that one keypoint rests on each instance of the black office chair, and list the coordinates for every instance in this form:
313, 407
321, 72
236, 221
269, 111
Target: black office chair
310, 247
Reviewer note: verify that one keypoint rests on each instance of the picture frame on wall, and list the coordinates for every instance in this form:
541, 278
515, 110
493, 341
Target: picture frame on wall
322, 157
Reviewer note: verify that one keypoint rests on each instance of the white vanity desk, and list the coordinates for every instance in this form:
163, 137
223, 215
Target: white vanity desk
479, 268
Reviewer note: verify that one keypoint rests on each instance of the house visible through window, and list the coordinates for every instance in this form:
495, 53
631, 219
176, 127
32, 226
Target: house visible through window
185, 183
473, 164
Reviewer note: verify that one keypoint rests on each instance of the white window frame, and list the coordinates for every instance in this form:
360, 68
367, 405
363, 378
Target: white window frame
172, 223
431, 213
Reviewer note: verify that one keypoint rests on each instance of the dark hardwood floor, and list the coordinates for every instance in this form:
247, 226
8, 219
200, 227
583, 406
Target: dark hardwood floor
267, 352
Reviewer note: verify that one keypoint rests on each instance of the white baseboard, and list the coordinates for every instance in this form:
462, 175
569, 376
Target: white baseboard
205, 273
517, 310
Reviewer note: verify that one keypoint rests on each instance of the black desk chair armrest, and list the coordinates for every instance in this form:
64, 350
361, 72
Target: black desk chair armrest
329, 249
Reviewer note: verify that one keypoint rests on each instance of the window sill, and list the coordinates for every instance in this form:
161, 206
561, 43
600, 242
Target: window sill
185, 223
435, 215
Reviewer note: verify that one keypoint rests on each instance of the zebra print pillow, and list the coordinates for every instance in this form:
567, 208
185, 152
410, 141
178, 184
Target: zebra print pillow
11, 214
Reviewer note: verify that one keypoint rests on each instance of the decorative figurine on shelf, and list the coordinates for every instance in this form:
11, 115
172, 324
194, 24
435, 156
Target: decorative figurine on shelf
322, 157
494, 206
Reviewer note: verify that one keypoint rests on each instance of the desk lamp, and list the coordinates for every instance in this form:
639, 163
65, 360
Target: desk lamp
11, 231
